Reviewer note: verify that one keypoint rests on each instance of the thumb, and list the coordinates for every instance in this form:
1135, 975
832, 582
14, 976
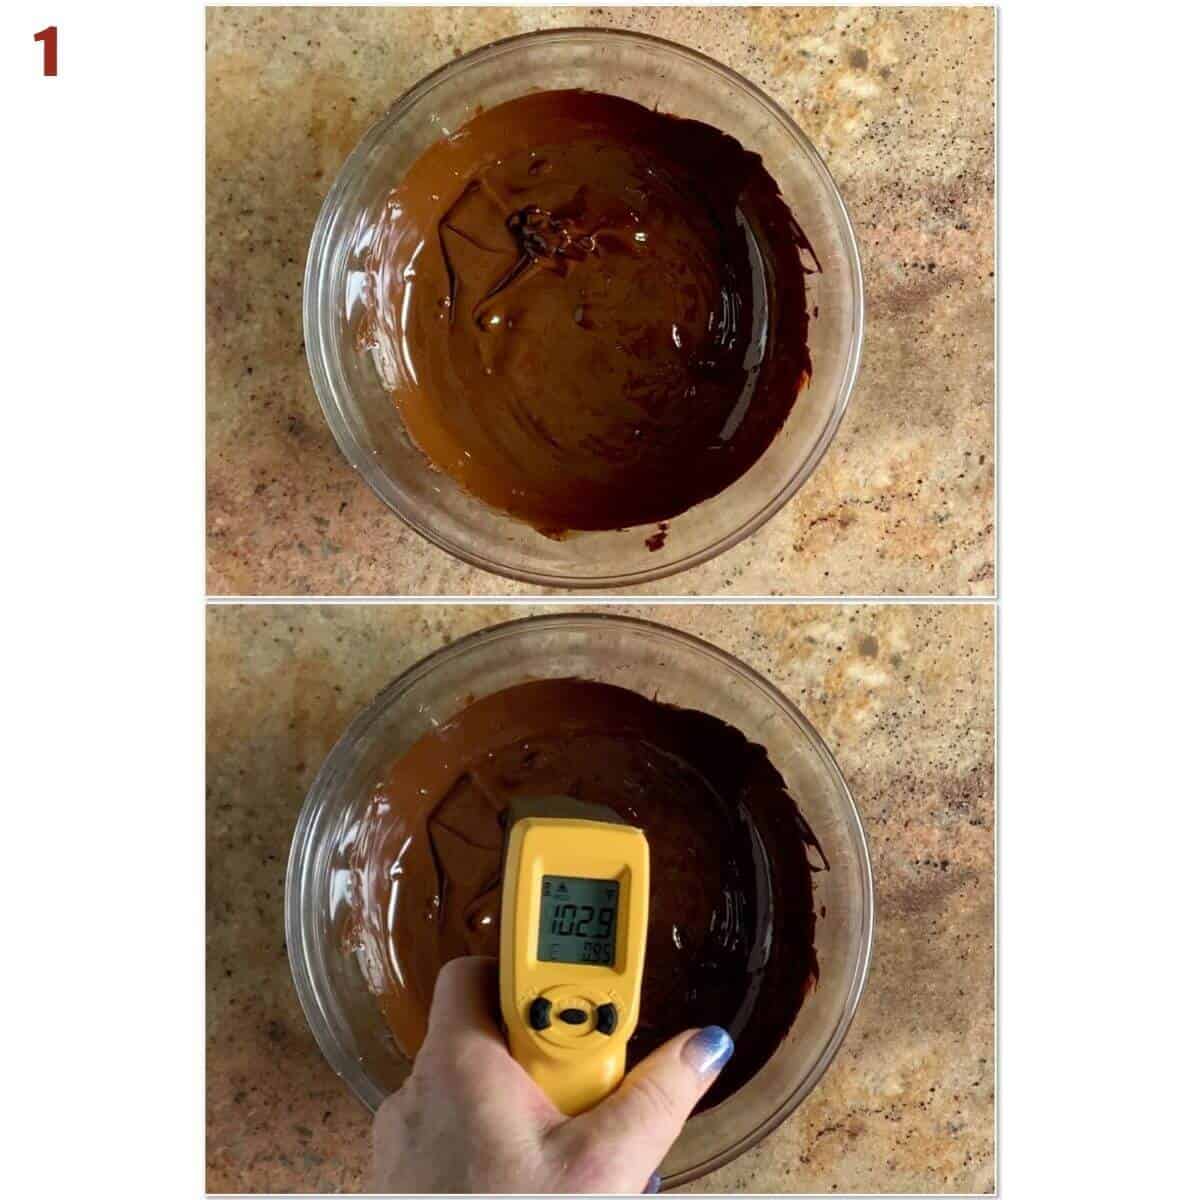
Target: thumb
645, 1115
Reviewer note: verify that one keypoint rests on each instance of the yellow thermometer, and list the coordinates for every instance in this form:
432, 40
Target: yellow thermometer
574, 908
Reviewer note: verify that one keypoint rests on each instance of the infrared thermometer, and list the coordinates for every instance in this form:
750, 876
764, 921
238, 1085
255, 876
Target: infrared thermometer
573, 917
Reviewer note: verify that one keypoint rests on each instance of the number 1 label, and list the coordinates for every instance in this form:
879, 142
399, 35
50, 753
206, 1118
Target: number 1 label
49, 39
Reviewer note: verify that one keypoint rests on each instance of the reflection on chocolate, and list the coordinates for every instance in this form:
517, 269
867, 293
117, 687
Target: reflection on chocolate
594, 314
731, 897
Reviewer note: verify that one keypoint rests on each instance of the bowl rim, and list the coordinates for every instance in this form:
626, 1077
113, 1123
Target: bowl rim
317, 288
297, 901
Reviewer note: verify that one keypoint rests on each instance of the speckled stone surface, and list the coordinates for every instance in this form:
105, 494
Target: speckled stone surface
900, 104
903, 696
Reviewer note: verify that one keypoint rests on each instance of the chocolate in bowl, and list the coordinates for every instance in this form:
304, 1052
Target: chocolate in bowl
732, 920
336, 973
355, 372
595, 313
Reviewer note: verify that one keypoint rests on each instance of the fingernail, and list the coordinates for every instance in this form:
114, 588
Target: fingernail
709, 1050
653, 1185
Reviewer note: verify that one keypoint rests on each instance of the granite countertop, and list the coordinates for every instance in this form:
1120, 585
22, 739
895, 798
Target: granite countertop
903, 694
900, 104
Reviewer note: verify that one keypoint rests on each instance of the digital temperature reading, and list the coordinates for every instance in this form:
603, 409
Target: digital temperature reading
578, 922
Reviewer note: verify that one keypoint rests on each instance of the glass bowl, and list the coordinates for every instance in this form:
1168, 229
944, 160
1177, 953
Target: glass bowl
361, 411
342, 1012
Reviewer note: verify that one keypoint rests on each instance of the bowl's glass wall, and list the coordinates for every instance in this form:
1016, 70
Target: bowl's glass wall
654, 661
361, 411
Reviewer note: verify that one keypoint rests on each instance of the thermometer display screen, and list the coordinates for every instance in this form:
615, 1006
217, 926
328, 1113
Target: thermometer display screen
578, 921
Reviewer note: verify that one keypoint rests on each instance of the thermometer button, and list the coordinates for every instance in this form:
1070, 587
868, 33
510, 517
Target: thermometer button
539, 1013
606, 1018
573, 1016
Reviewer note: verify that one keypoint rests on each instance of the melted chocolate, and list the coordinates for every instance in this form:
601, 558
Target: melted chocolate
731, 899
595, 313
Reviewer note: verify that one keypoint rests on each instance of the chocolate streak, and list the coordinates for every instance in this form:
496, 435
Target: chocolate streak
731, 896
596, 312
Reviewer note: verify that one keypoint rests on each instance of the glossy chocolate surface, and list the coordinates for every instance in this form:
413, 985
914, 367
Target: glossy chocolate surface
731, 896
594, 314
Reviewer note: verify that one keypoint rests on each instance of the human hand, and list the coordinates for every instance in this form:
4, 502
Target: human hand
469, 1119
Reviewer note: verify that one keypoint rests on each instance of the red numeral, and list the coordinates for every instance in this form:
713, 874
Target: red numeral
49, 39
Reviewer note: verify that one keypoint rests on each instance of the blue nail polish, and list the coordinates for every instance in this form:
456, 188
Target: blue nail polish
709, 1050
653, 1185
